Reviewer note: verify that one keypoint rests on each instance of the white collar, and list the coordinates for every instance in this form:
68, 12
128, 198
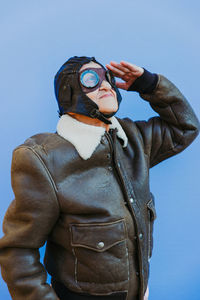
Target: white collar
84, 137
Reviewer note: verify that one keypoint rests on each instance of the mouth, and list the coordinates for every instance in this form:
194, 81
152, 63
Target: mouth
107, 95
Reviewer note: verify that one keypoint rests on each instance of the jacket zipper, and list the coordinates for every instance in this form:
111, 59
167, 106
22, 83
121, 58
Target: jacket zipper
125, 190
118, 172
116, 166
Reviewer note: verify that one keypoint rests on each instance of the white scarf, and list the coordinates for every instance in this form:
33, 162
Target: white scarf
84, 137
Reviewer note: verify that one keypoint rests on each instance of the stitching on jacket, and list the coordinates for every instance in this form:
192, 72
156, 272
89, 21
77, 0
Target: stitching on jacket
75, 266
97, 224
45, 168
126, 247
170, 106
161, 154
75, 258
96, 250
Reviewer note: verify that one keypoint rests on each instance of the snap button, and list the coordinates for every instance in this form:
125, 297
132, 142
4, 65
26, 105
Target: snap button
100, 245
110, 168
140, 236
131, 200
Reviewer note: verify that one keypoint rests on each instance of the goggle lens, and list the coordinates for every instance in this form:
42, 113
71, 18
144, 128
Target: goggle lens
89, 78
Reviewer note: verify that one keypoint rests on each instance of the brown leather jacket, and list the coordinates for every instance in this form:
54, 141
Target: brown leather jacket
80, 206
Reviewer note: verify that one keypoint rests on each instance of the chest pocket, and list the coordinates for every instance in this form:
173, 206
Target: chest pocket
101, 254
152, 216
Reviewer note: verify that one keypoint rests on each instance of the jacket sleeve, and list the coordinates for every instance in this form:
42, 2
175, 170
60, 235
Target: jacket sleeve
27, 223
175, 127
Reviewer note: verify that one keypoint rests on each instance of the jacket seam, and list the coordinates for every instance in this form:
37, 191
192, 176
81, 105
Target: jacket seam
93, 248
124, 240
46, 170
74, 244
160, 157
171, 149
97, 224
178, 122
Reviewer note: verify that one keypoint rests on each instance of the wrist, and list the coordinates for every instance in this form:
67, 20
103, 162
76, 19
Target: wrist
144, 84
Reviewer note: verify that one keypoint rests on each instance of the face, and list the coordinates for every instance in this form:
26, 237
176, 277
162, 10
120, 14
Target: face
104, 96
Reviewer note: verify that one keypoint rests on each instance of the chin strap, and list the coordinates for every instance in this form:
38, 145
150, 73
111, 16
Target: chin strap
95, 113
108, 115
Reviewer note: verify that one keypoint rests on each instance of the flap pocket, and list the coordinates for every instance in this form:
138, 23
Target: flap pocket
98, 237
152, 209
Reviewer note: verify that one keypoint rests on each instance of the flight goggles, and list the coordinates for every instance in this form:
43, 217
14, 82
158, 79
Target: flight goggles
92, 78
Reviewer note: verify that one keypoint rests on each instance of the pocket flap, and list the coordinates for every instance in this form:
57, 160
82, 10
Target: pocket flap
152, 209
98, 237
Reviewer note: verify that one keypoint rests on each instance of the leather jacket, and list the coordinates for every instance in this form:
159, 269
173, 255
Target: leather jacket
80, 207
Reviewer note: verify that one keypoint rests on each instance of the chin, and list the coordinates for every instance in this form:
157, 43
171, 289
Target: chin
108, 107
108, 111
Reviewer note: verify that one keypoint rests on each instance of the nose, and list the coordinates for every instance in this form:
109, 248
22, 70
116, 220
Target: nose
105, 85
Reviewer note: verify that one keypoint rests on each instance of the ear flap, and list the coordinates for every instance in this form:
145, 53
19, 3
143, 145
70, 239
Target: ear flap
64, 97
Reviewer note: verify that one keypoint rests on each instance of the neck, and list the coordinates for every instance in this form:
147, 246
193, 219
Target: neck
89, 121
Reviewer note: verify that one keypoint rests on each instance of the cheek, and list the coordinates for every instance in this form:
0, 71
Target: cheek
93, 96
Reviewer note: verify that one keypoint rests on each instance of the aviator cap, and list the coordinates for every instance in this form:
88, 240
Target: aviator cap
71, 95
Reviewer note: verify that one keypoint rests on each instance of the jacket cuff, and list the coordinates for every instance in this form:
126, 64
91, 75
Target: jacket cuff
145, 84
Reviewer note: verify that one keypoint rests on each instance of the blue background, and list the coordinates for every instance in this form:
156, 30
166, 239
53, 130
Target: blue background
37, 37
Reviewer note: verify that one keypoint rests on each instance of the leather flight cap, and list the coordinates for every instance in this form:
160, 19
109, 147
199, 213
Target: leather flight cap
70, 95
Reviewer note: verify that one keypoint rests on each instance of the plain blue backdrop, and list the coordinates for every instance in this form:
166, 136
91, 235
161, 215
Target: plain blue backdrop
162, 36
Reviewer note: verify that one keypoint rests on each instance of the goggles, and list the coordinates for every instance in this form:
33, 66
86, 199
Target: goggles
92, 78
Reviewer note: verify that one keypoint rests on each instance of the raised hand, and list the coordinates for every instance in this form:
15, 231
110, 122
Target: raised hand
126, 71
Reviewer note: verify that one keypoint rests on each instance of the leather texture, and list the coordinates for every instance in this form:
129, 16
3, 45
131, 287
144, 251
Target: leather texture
97, 214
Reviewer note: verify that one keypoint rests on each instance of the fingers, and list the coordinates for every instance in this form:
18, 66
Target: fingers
115, 70
129, 66
119, 66
124, 68
135, 70
121, 85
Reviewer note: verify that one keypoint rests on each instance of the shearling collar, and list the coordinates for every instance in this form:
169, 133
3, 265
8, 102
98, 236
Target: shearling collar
84, 137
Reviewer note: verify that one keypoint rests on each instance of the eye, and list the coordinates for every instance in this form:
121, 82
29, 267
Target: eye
89, 78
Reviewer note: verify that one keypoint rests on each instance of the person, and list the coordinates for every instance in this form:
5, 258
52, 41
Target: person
85, 189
